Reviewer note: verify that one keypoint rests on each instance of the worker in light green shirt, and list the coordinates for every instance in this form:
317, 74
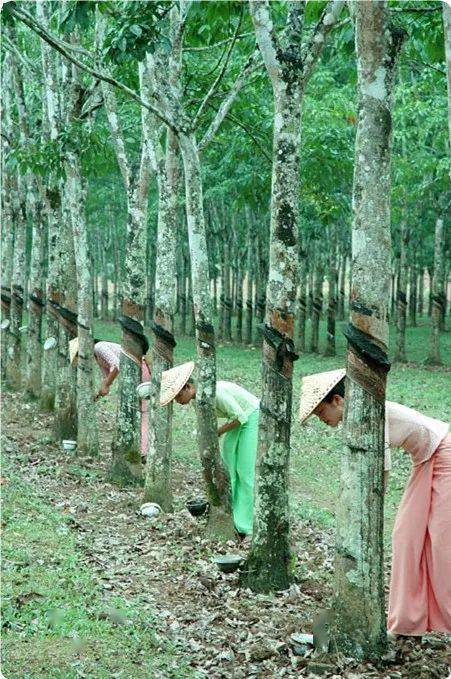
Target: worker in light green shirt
239, 435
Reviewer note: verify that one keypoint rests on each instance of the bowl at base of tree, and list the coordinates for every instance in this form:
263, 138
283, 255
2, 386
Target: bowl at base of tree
197, 507
228, 563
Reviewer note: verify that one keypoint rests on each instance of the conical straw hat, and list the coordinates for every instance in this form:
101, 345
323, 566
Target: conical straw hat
173, 381
73, 349
314, 389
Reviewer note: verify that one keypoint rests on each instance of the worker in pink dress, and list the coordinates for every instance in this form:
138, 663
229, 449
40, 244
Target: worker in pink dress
107, 355
420, 586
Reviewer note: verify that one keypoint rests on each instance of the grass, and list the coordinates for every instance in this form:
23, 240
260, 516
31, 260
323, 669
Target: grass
53, 608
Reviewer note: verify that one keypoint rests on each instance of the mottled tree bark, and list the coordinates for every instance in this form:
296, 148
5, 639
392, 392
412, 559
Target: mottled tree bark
359, 626
317, 304
332, 293
401, 295
341, 287
8, 215
302, 300
66, 421
214, 474
239, 304
250, 272
126, 449
268, 564
413, 291
437, 288
87, 429
36, 293
421, 291
52, 210
13, 366
158, 469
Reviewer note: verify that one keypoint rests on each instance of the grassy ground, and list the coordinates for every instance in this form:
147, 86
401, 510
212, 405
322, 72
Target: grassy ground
55, 623
66, 616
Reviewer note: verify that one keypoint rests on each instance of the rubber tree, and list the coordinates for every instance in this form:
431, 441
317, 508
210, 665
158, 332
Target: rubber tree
7, 234
34, 218
438, 284
401, 294
126, 448
359, 628
184, 127
289, 62
332, 280
52, 211
167, 167
87, 428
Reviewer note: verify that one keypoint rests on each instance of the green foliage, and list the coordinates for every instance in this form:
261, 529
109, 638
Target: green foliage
138, 27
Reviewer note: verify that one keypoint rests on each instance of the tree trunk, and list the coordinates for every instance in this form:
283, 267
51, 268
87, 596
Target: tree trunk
268, 564
8, 214
13, 366
421, 292
104, 294
158, 469
317, 304
66, 420
341, 287
227, 293
216, 480
126, 448
250, 271
239, 305
359, 626
437, 287
400, 355
332, 294
36, 303
87, 430
52, 207
302, 301
260, 305
413, 293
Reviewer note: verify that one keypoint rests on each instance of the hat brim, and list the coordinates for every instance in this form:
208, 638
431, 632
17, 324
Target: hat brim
315, 388
173, 381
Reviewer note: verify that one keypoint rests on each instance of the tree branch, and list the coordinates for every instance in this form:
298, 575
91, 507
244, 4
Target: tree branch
266, 37
218, 78
249, 68
246, 128
45, 35
218, 44
313, 49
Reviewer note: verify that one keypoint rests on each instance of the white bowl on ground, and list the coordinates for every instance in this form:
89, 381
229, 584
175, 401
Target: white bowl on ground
69, 445
150, 509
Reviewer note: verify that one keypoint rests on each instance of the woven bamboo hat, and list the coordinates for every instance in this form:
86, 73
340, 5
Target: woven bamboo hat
173, 381
73, 349
314, 389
